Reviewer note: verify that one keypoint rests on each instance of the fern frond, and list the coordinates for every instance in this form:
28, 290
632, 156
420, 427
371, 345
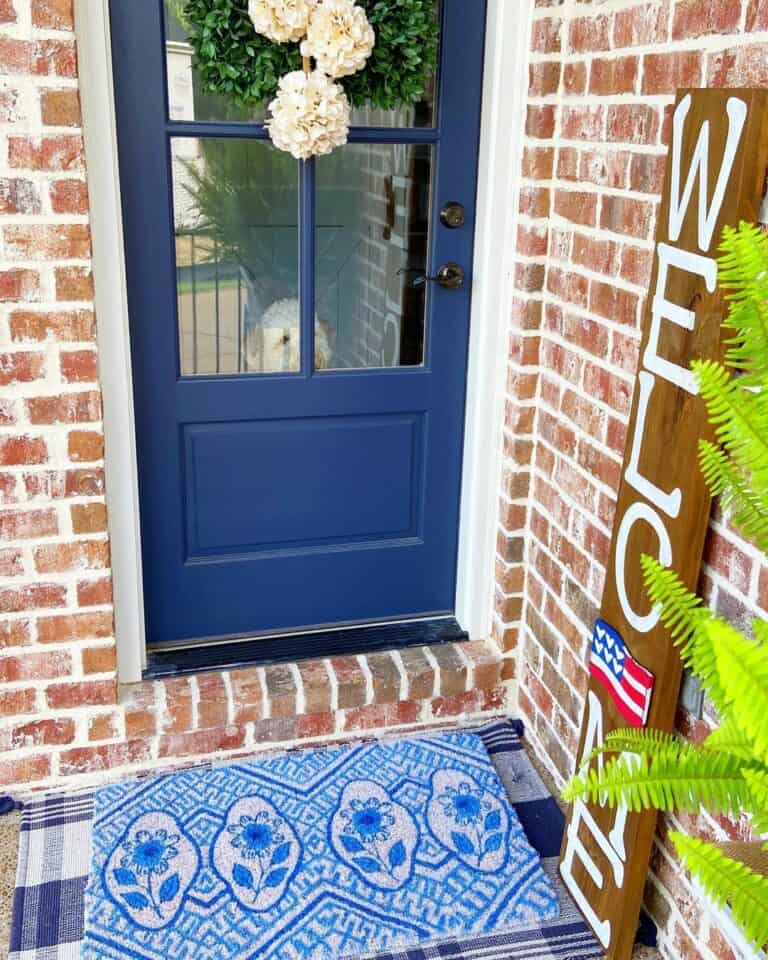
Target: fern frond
757, 781
743, 272
648, 742
728, 881
682, 610
749, 506
743, 671
739, 418
685, 616
676, 778
730, 738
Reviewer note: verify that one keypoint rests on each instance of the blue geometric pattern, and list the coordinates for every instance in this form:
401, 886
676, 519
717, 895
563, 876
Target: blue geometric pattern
311, 856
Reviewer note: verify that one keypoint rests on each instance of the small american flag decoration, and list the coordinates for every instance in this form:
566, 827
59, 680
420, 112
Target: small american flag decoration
629, 684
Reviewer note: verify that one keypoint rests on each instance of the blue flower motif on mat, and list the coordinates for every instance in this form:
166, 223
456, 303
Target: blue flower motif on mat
369, 819
257, 835
375, 835
469, 820
150, 870
256, 853
150, 851
464, 805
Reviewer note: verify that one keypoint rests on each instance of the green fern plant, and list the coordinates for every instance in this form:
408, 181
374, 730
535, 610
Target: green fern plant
728, 772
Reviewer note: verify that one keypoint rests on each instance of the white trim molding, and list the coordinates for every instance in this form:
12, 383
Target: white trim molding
111, 302
504, 88
504, 91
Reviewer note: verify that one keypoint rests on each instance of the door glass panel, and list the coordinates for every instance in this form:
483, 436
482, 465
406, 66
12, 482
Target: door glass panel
420, 114
186, 100
372, 241
236, 213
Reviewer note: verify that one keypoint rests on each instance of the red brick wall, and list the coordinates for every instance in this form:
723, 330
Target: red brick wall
602, 79
56, 646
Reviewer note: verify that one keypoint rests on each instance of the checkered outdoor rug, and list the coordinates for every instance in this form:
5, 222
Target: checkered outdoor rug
54, 862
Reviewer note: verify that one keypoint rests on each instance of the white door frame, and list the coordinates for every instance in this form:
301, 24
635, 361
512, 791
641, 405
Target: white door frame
504, 91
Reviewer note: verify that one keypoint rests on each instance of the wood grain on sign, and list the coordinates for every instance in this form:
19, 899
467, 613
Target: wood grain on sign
663, 503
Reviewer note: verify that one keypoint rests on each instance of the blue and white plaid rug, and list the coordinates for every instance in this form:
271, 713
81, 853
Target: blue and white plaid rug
56, 836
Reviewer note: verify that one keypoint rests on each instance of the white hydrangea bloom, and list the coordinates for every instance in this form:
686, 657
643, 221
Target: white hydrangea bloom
284, 21
339, 37
309, 116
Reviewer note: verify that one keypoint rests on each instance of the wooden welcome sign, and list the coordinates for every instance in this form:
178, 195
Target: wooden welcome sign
715, 175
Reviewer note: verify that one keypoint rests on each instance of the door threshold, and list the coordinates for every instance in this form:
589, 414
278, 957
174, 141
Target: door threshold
344, 641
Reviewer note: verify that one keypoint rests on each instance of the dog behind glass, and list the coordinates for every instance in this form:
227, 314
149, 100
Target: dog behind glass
272, 344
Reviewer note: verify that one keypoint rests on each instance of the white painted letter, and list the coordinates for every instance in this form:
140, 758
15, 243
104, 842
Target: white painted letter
678, 206
574, 845
639, 511
668, 502
664, 309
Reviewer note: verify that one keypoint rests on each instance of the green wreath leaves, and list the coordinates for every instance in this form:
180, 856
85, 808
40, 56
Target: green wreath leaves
233, 60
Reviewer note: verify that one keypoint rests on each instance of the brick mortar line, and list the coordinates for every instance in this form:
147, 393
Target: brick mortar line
194, 702
49, 306
301, 696
435, 669
604, 146
21, 263
266, 703
469, 665
333, 682
227, 680
404, 684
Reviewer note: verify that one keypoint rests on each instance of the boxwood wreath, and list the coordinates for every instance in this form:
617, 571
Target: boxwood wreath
231, 59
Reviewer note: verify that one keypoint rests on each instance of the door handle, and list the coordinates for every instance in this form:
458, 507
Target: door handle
450, 276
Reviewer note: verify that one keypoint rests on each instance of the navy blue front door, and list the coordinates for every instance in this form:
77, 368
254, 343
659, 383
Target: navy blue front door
299, 380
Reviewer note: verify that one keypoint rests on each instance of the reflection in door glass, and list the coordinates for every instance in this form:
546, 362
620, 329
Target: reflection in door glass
372, 240
187, 101
236, 209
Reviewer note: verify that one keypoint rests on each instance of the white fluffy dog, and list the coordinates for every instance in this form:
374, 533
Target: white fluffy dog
272, 344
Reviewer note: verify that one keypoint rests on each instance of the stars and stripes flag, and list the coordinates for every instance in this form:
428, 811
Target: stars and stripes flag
628, 683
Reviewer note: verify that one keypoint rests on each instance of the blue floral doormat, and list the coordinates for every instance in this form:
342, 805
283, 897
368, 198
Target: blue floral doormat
311, 855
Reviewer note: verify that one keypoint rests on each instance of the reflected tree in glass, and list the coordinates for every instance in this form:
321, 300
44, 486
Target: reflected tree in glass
236, 210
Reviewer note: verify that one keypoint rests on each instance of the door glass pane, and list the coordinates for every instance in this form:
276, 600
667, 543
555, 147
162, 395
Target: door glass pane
420, 114
186, 100
236, 212
372, 240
